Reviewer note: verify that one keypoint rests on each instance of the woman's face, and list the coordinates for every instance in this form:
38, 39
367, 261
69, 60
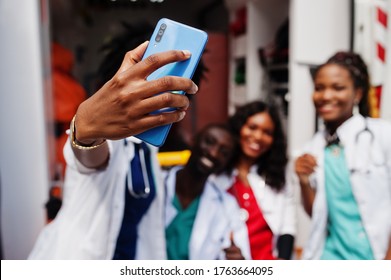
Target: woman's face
256, 135
334, 95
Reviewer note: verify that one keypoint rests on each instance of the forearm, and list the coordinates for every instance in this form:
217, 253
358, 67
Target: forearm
285, 246
96, 158
388, 254
308, 195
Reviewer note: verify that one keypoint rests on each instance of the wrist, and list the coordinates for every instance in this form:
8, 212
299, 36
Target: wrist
304, 180
83, 144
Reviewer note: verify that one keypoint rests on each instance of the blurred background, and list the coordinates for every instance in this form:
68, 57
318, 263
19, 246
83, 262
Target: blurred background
257, 49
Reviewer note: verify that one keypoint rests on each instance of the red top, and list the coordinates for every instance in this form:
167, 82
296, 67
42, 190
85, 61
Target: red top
260, 234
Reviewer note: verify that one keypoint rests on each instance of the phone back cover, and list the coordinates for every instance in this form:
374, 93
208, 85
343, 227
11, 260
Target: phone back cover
177, 36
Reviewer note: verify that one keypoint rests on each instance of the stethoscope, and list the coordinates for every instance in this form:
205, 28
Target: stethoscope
147, 188
370, 160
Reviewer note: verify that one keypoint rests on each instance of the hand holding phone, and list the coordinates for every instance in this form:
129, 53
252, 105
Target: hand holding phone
171, 35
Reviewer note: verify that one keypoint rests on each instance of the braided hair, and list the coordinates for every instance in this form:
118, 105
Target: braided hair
359, 73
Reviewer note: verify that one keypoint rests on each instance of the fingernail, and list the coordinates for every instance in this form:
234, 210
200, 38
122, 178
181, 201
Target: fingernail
182, 114
194, 89
186, 53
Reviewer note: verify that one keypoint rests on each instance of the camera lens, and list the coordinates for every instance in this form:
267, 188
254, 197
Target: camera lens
160, 32
163, 26
158, 38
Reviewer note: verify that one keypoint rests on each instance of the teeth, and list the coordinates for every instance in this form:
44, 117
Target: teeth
254, 146
207, 162
327, 107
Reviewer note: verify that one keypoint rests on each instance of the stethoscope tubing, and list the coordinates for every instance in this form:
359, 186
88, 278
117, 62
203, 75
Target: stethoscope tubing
370, 150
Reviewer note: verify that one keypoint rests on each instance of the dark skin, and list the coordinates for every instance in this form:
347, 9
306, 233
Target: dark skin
256, 138
334, 98
121, 107
233, 252
210, 154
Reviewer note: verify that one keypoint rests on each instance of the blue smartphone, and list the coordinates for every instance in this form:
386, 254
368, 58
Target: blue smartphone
171, 35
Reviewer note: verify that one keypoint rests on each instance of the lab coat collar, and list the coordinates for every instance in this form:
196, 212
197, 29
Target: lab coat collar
347, 131
223, 181
209, 216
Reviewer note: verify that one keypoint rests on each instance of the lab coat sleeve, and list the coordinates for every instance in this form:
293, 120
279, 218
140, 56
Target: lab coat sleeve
239, 228
289, 214
387, 147
74, 163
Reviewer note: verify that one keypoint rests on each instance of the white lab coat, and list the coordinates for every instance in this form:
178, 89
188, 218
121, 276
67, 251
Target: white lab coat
217, 216
278, 208
89, 221
372, 190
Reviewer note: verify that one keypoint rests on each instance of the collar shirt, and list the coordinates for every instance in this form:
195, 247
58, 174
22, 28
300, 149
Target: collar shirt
278, 208
217, 216
368, 158
89, 220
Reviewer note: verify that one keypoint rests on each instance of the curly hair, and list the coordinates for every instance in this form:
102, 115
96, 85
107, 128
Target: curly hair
133, 35
358, 70
114, 51
272, 164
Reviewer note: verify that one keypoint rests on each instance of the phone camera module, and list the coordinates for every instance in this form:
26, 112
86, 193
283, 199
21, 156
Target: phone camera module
160, 32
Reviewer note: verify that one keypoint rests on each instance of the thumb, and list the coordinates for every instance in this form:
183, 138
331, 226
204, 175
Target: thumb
231, 238
134, 56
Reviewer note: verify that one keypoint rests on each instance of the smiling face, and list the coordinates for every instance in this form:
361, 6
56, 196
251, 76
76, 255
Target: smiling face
334, 95
213, 150
256, 135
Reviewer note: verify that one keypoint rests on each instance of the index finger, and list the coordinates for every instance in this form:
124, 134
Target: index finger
157, 60
307, 158
311, 159
231, 237
133, 57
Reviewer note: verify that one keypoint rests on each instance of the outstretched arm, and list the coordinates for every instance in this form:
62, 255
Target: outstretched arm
122, 107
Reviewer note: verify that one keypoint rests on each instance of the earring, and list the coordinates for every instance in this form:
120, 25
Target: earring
356, 109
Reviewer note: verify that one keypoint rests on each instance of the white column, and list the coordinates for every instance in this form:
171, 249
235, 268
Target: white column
318, 29
24, 176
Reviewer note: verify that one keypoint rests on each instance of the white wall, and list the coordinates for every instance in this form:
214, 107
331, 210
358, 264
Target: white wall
318, 29
23, 143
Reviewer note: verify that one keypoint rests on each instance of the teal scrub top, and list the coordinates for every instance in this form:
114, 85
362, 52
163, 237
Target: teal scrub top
179, 230
346, 238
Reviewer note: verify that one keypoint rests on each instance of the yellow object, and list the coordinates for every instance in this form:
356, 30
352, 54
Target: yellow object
374, 103
173, 158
